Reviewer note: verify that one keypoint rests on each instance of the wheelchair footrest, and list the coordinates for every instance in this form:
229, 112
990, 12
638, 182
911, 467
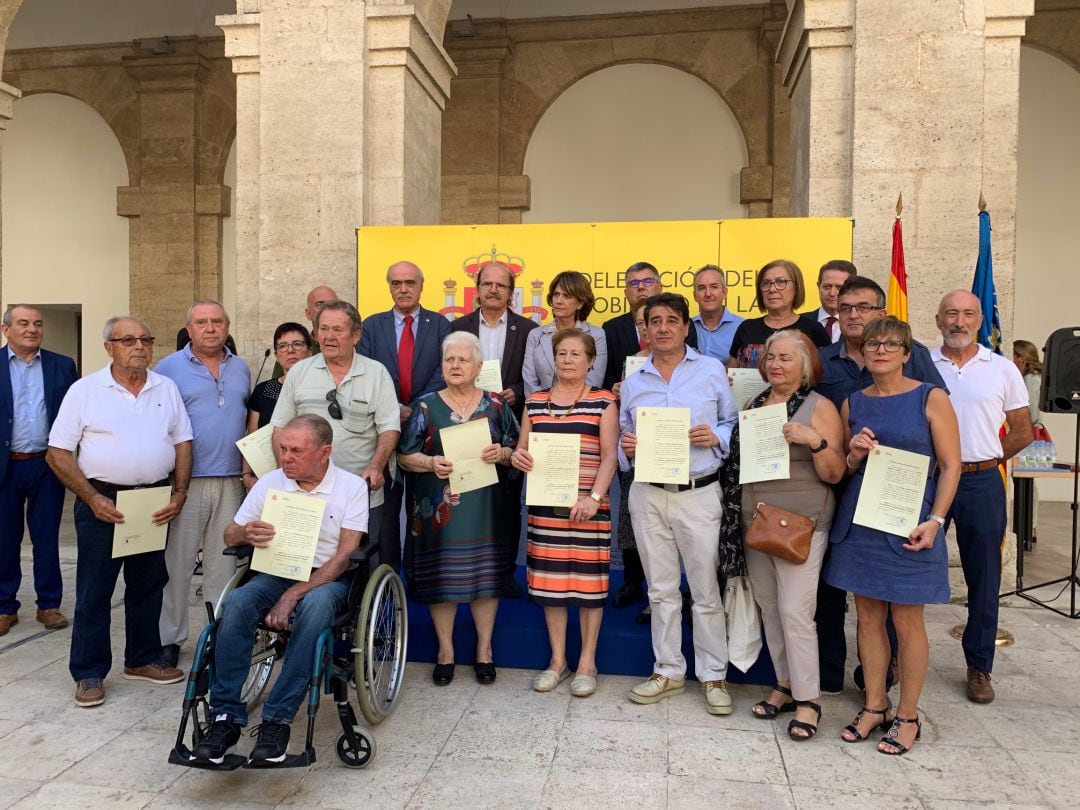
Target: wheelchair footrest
301, 760
182, 756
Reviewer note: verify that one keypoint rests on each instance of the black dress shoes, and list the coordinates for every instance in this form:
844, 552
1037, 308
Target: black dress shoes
627, 595
170, 654
485, 673
442, 675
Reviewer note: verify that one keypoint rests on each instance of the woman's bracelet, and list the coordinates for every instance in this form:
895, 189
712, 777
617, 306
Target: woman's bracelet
848, 464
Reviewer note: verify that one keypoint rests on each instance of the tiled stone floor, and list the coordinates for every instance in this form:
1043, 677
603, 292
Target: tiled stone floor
505, 746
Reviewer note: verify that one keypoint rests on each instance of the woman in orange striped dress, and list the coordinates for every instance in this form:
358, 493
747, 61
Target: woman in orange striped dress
569, 549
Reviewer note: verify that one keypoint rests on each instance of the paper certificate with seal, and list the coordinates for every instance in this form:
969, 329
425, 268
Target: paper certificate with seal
663, 446
763, 452
553, 480
745, 383
257, 449
462, 445
490, 378
634, 363
296, 520
138, 534
893, 488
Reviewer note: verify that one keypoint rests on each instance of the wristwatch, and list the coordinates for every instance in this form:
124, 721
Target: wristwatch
820, 447
938, 519
596, 497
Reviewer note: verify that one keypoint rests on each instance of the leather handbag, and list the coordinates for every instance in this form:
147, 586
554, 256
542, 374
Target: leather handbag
780, 533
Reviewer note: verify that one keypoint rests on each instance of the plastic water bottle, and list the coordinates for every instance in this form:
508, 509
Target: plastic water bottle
1051, 454
1023, 458
1042, 455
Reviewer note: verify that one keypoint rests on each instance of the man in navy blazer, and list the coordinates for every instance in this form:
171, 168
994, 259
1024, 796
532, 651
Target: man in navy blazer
387, 338
32, 386
502, 338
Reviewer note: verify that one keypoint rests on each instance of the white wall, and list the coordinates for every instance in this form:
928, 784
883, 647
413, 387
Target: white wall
63, 242
1047, 238
636, 142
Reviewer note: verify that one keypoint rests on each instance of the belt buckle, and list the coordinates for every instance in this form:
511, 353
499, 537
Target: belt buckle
671, 488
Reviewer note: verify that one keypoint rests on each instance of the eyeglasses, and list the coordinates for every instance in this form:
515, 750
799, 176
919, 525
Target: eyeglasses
890, 346
296, 346
131, 341
332, 404
638, 283
778, 283
862, 309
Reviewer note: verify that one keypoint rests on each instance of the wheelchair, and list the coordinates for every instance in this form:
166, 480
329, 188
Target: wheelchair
365, 649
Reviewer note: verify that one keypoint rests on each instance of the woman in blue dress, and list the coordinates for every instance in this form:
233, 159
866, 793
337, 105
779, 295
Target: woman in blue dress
880, 568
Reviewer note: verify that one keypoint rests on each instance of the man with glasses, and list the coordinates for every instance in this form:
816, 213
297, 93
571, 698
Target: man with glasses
354, 393
844, 372
830, 279
31, 390
714, 324
131, 430
214, 384
407, 340
642, 281
987, 390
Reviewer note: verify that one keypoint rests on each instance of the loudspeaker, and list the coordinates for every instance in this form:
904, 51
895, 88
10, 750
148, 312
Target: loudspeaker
1060, 391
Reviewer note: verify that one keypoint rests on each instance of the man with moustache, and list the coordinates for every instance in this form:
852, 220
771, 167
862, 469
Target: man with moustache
831, 278
502, 333
986, 389
714, 324
407, 340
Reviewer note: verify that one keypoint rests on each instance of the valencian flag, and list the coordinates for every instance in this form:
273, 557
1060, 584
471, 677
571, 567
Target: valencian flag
896, 303
983, 286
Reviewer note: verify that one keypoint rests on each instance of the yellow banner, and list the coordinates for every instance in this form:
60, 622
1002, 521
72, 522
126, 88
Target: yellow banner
451, 255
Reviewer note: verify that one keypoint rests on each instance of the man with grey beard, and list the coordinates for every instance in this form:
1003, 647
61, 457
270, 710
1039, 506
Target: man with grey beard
986, 390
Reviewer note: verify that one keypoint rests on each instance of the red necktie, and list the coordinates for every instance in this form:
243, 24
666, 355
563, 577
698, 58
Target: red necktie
404, 360
830, 322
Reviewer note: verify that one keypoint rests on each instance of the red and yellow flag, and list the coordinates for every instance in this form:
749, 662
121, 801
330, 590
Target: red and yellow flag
896, 303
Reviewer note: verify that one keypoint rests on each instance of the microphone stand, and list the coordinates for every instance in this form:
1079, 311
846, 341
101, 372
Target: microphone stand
266, 355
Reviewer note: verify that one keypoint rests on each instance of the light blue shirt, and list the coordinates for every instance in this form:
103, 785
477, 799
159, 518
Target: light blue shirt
399, 326
30, 422
717, 342
216, 408
699, 383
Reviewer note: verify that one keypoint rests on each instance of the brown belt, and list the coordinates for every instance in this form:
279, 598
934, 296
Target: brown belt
978, 466
26, 456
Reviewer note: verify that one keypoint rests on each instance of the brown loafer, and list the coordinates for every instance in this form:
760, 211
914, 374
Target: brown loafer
154, 673
7, 621
52, 618
979, 689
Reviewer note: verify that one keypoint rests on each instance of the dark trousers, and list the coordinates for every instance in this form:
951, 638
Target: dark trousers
389, 530
509, 519
30, 485
979, 512
95, 579
633, 571
832, 641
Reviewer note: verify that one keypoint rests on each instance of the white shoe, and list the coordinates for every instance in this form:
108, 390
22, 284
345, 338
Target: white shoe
656, 689
717, 699
547, 680
583, 685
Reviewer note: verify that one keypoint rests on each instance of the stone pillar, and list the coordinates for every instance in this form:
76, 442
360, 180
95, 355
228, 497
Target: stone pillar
164, 270
8, 96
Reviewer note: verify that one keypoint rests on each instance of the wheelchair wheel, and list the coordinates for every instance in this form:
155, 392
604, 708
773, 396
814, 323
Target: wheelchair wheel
379, 644
357, 757
263, 657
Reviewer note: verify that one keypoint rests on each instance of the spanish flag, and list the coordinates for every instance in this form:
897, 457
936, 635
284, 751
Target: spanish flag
896, 304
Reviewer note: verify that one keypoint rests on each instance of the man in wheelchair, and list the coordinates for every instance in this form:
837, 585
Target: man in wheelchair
309, 607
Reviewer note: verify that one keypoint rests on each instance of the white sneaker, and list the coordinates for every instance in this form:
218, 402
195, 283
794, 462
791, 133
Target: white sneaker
656, 689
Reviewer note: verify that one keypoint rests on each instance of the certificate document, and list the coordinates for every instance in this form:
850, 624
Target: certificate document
663, 446
745, 383
633, 363
556, 465
892, 492
296, 520
462, 445
763, 452
490, 378
138, 534
258, 451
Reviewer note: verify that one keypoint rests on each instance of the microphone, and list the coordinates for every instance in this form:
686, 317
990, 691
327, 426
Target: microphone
266, 355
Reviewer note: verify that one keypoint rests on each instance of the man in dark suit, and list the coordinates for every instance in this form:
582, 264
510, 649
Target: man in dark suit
407, 340
642, 281
502, 335
32, 386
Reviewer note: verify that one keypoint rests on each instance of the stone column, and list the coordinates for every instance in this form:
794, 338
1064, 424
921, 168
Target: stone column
8, 96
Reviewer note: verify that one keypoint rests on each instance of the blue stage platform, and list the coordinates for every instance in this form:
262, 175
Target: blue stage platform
521, 641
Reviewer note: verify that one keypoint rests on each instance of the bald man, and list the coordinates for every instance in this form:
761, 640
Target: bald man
316, 298
986, 390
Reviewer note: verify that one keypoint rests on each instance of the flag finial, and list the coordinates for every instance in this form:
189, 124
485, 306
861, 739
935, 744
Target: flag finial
982, 201
899, 204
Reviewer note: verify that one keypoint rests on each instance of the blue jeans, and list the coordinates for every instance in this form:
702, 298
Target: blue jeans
243, 610
30, 484
95, 579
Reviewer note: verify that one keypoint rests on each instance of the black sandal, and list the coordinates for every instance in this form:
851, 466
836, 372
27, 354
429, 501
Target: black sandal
809, 728
770, 710
853, 727
897, 748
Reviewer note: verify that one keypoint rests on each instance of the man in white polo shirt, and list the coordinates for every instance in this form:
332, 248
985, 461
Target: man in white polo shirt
986, 390
131, 431
305, 470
